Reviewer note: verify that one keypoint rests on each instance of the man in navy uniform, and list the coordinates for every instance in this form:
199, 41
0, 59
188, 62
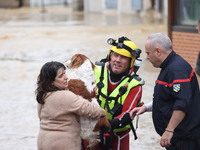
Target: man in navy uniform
176, 99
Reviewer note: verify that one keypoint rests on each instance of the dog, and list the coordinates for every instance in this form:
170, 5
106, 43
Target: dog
80, 71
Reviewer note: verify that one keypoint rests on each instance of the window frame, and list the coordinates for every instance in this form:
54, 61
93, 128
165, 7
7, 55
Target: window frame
172, 21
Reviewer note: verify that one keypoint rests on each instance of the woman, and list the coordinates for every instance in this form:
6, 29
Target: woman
59, 110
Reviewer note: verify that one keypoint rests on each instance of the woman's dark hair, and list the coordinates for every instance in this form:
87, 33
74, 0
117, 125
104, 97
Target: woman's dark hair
45, 79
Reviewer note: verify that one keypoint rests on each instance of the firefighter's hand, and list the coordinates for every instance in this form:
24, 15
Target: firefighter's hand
137, 111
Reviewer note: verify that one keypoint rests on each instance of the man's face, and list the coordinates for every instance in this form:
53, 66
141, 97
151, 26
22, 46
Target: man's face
152, 55
119, 63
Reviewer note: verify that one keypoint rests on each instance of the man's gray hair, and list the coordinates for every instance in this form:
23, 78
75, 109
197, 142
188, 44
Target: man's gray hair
160, 40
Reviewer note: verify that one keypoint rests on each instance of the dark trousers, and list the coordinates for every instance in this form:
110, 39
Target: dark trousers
185, 144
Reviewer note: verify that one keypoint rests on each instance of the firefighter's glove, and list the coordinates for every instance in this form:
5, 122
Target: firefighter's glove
122, 122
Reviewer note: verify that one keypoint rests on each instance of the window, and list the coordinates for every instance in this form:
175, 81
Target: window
188, 12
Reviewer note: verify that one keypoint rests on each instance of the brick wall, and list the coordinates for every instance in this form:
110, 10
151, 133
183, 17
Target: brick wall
187, 45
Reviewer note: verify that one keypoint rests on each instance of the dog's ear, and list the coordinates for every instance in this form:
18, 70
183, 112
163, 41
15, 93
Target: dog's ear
78, 87
77, 60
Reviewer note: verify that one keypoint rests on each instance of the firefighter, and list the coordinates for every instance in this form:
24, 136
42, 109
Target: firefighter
119, 91
176, 97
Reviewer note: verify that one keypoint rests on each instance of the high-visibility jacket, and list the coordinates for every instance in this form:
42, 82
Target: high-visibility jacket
109, 101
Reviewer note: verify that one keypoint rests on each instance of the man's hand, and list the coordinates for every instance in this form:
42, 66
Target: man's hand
137, 111
166, 138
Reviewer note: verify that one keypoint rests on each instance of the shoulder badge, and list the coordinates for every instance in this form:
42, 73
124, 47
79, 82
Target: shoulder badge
176, 87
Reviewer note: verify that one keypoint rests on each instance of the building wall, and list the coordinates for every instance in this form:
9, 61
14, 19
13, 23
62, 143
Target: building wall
39, 3
123, 6
9, 3
187, 45
93, 6
14, 3
26, 2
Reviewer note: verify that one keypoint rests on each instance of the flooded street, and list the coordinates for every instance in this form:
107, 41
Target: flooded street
29, 38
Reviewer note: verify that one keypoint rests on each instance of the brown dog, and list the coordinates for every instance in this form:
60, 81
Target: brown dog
82, 82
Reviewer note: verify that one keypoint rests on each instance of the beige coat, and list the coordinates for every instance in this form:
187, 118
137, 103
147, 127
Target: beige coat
59, 123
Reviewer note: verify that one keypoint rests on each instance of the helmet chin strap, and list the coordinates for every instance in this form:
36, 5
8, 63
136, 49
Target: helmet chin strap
117, 77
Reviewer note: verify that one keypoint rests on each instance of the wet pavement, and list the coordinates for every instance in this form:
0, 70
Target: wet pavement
29, 38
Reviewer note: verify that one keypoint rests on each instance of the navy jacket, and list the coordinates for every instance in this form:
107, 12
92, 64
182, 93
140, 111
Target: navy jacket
177, 89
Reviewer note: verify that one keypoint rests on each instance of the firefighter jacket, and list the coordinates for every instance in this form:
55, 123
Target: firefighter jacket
114, 102
177, 89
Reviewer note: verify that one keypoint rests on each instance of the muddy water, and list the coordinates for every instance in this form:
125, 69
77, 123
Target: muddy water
29, 38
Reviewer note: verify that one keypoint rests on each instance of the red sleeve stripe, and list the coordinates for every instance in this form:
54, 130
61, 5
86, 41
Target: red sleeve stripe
132, 104
176, 81
135, 98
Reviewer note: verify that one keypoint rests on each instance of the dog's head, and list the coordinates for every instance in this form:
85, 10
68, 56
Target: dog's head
80, 67
77, 60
